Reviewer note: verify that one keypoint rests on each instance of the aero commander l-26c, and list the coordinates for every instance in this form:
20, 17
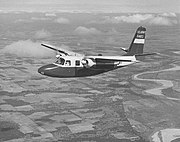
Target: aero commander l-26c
72, 65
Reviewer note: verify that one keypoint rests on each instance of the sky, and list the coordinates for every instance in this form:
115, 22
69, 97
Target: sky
121, 6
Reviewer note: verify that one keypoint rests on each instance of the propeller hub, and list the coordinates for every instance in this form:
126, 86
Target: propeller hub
84, 62
87, 63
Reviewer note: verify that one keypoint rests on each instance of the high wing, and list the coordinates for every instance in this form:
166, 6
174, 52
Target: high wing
112, 58
61, 51
99, 62
123, 58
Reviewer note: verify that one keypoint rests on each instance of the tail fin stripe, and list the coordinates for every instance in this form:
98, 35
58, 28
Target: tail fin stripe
140, 41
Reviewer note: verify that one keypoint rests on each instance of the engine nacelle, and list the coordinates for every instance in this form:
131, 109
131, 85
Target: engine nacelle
88, 63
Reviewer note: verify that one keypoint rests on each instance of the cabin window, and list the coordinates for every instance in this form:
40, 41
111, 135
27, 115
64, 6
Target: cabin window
60, 61
77, 63
68, 63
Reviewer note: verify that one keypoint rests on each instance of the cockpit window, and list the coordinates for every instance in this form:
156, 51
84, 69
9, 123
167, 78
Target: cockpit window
60, 61
68, 63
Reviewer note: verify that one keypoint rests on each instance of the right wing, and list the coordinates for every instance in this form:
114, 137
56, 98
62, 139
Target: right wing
55, 49
63, 52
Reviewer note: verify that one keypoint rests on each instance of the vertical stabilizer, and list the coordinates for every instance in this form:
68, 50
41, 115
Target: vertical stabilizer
137, 43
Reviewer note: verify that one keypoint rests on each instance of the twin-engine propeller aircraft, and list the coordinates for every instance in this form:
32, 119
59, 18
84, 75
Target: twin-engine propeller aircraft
75, 65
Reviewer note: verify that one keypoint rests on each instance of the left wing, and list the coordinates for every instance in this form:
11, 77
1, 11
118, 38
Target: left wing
112, 58
62, 51
110, 61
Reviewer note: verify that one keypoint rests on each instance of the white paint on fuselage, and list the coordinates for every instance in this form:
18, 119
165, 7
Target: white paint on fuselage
73, 60
127, 60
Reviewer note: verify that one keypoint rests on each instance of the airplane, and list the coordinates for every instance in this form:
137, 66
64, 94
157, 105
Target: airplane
70, 64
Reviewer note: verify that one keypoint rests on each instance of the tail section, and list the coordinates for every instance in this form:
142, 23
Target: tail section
137, 43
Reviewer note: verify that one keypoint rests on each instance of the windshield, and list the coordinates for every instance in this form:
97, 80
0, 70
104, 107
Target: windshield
60, 61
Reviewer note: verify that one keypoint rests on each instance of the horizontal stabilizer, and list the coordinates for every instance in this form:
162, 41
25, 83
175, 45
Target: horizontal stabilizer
124, 49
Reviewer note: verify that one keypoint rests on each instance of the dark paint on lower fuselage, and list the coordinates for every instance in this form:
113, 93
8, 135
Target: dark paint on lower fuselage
67, 72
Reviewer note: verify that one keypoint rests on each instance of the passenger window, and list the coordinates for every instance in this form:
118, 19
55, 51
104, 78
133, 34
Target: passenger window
77, 63
68, 62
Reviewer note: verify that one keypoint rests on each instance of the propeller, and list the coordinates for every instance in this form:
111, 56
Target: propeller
88, 63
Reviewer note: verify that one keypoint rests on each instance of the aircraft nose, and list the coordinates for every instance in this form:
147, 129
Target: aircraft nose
41, 70
45, 69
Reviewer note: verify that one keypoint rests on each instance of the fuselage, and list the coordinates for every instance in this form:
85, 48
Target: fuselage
79, 66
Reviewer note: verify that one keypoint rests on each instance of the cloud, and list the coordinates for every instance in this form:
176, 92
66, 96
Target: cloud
42, 34
40, 18
167, 19
110, 40
32, 19
171, 14
64, 47
22, 21
50, 14
111, 31
28, 48
136, 18
86, 31
62, 20
67, 49
162, 21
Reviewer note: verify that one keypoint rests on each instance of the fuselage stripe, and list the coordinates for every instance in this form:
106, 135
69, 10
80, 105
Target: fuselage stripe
51, 68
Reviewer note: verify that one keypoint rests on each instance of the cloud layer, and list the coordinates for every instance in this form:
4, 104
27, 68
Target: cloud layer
28, 48
50, 14
167, 19
62, 20
86, 31
42, 34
